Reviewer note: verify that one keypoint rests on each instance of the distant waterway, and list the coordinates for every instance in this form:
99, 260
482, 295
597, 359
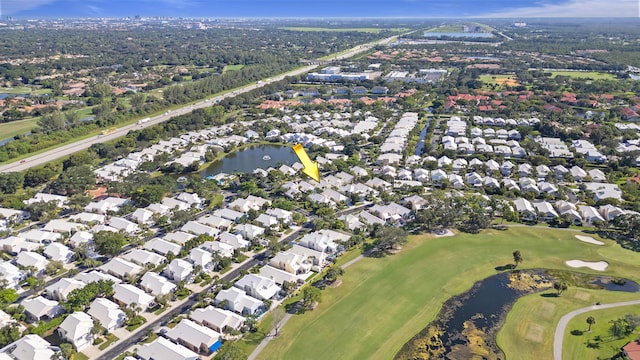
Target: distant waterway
251, 158
423, 134
5, 95
473, 35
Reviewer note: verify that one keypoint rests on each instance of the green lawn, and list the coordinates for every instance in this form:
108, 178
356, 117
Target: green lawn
584, 75
530, 325
232, 67
19, 127
15, 90
382, 303
585, 345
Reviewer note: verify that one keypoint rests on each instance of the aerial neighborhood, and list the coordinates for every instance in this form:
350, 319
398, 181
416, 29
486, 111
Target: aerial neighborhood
196, 234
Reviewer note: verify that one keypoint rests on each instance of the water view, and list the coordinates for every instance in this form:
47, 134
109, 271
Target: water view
251, 158
477, 35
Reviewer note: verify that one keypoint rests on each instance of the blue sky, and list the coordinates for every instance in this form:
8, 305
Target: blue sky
320, 8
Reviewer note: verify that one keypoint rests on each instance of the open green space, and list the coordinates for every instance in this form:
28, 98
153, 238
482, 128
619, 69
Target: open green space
232, 67
365, 30
529, 328
384, 302
19, 127
594, 75
446, 28
599, 343
499, 80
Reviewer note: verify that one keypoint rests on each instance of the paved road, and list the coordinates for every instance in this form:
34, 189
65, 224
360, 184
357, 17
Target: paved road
69, 149
564, 321
123, 345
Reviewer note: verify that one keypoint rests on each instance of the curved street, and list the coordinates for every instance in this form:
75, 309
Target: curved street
564, 321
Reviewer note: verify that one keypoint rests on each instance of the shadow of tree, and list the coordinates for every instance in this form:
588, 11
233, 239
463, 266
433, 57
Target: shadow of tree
549, 295
577, 332
505, 267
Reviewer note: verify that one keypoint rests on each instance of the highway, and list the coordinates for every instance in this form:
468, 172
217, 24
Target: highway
84, 144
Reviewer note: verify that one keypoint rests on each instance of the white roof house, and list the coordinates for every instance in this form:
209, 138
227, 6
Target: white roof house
28, 258
121, 268
164, 349
128, 294
224, 250
215, 221
237, 300
162, 246
267, 220
105, 205
123, 224
63, 287
279, 276
42, 197
144, 257
76, 329
142, 216
107, 313
229, 214
88, 218
323, 240
13, 245
236, 241
193, 336
11, 274
191, 199
291, 263
178, 237
217, 319
589, 214
201, 257
546, 209
524, 207
179, 270
63, 226
58, 252
40, 308
199, 229
258, 286
81, 237
175, 204
95, 275
156, 284
40, 236
159, 209
32, 347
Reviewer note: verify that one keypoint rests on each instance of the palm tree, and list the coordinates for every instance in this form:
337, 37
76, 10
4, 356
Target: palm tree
590, 320
517, 258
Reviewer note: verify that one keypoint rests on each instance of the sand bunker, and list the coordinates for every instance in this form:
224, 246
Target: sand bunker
589, 239
594, 265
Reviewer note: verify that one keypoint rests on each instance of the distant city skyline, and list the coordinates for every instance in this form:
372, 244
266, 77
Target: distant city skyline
319, 8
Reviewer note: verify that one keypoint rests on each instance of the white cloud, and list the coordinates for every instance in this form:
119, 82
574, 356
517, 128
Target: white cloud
576, 8
9, 7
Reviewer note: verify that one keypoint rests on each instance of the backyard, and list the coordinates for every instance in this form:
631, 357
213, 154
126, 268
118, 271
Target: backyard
383, 302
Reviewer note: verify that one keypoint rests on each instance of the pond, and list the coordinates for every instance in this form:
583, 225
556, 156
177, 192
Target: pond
476, 316
251, 158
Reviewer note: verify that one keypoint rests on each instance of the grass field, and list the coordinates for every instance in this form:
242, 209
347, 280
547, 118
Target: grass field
576, 345
382, 303
365, 30
232, 67
584, 75
19, 127
500, 80
530, 326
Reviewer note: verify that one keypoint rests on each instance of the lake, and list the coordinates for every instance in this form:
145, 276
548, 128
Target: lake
251, 158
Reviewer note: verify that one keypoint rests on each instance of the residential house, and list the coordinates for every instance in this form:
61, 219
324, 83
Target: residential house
589, 214
62, 226
216, 222
121, 268
370, 219
237, 300
391, 212
127, 294
220, 320
179, 270
197, 228
291, 263
351, 222
194, 337
107, 313
283, 216
162, 247
317, 258
156, 284
178, 237
258, 286
40, 308
39, 236
76, 329
324, 240
62, 288
247, 231
31, 347
525, 209
164, 349
123, 225
88, 218
13, 245
59, 200
222, 249
610, 212
545, 210
143, 216
79, 238
201, 257
192, 199
58, 252
144, 258
229, 214
28, 259
95, 275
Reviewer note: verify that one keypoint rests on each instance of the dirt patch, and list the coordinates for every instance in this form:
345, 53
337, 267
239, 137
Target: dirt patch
336, 283
547, 309
535, 333
525, 281
581, 295
507, 81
